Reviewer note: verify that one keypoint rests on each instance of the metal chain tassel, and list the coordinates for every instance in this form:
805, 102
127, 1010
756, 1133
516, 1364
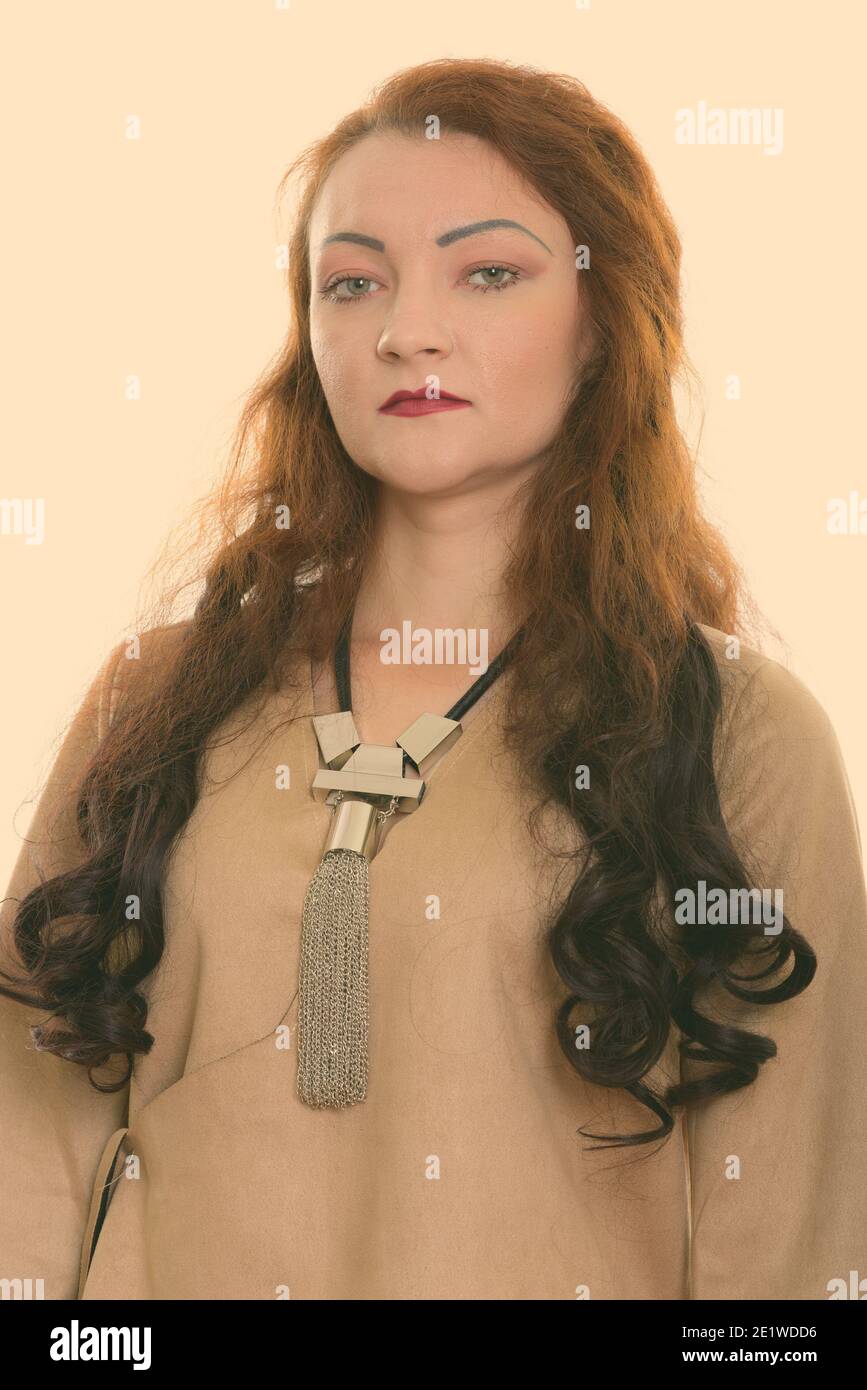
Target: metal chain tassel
332, 987
366, 784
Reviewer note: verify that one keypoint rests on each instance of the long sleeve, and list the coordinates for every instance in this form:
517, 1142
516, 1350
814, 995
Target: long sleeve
778, 1170
53, 1124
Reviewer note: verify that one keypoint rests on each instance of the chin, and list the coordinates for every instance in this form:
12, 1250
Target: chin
421, 476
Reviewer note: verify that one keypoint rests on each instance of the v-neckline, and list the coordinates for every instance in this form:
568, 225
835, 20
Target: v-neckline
477, 725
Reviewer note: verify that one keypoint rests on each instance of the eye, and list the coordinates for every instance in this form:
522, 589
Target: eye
498, 270
329, 291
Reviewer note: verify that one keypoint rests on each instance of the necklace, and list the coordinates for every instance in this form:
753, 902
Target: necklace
365, 785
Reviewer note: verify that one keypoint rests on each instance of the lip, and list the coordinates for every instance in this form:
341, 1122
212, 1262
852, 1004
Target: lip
410, 403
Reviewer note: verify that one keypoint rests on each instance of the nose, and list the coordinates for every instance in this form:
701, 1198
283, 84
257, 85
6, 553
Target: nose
414, 325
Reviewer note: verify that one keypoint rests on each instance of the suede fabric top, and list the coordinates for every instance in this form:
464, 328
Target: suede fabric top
462, 1175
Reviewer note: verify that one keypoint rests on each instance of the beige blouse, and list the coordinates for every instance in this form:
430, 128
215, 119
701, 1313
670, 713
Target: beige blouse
462, 1175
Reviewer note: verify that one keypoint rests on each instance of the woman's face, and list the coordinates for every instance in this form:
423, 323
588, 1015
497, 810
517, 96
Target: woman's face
426, 303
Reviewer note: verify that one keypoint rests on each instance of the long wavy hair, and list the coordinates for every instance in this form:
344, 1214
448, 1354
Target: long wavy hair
613, 672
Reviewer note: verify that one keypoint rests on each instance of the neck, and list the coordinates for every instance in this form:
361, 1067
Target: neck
436, 563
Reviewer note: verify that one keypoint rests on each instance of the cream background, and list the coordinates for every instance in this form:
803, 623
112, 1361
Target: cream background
157, 257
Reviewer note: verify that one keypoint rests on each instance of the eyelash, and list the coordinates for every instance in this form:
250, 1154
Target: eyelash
328, 291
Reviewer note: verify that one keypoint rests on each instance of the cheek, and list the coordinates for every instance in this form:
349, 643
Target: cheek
334, 366
531, 368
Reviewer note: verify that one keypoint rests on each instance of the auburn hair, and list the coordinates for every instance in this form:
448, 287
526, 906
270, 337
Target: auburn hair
613, 673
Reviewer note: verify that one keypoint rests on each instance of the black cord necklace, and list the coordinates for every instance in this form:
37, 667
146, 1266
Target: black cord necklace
365, 783
458, 709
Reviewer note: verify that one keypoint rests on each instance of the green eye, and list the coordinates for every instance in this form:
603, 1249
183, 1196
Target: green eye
497, 269
329, 291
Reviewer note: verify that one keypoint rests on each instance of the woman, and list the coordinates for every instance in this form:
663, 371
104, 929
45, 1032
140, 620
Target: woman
569, 1060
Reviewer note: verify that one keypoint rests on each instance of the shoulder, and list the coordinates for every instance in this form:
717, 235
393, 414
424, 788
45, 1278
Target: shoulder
762, 700
783, 788
779, 765
134, 666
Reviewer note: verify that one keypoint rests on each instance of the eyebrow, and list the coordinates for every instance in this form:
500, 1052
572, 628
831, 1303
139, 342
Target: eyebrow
456, 234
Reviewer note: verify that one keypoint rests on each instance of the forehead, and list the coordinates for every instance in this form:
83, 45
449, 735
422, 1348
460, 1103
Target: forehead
413, 187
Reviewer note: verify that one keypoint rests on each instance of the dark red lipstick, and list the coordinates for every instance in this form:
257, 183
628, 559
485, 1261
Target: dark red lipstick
417, 403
